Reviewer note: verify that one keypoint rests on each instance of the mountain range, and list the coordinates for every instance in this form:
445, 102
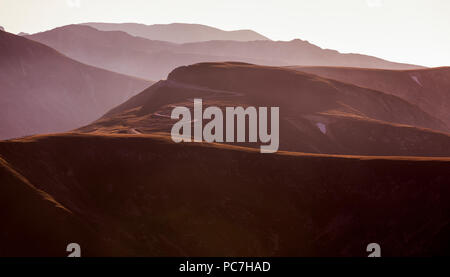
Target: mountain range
364, 147
151, 59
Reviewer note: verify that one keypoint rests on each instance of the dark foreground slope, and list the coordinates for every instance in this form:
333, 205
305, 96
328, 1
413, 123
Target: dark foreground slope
144, 195
33, 222
317, 115
44, 91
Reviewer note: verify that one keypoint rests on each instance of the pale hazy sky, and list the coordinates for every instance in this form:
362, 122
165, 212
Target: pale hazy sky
412, 31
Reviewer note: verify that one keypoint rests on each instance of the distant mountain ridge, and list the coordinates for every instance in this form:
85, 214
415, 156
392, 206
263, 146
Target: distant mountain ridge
152, 59
178, 32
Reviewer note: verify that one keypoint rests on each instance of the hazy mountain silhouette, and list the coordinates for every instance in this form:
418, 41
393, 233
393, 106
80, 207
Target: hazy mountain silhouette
317, 115
118, 51
45, 91
427, 88
136, 56
178, 32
